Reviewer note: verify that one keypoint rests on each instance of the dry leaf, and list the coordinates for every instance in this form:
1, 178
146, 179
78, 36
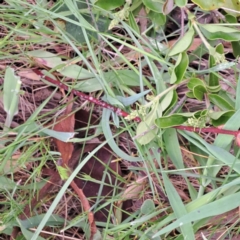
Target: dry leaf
65, 124
29, 74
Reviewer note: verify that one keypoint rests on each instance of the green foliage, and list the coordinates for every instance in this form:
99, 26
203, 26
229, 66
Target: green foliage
183, 44
11, 91
147, 207
109, 5
214, 31
209, 5
103, 48
180, 68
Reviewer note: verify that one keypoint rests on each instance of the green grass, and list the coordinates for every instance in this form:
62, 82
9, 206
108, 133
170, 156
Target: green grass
183, 185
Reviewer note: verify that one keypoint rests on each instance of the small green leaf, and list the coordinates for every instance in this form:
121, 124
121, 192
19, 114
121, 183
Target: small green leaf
144, 128
181, 3
147, 207
109, 5
215, 31
213, 79
220, 102
153, 5
190, 94
194, 82
209, 5
167, 100
180, 68
199, 91
213, 89
158, 19
184, 43
172, 120
63, 172
11, 91
220, 118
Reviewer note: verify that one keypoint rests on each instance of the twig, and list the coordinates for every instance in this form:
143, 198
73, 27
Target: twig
178, 104
86, 207
122, 113
84, 96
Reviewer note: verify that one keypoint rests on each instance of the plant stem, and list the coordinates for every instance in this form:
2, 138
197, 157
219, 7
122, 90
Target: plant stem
122, 113
84, 96
208, 129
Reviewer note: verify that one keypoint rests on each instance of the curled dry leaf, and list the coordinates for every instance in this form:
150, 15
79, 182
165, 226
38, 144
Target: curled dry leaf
65, 124
134, 190
29, 74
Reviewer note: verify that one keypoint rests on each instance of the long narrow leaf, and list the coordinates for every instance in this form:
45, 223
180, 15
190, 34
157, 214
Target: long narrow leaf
178, 207
218, 207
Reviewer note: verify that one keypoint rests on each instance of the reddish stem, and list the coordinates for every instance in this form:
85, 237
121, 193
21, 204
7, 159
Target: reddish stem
208, 129
84, 96
122, 113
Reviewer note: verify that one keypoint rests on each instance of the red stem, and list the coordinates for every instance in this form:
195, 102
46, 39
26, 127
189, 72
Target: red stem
84, 96
122, 113
208, 129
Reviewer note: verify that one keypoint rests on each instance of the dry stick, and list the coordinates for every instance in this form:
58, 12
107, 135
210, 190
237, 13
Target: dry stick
86, 207
84, 96
122, 113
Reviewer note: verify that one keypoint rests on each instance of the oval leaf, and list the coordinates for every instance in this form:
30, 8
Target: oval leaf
220, 102
209, 5
154, 6
158, 19
109, 5
220, 118
180, 68
215, 31
194, 82
181, 3
147, 207
184, 43
173, 120
198, 92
